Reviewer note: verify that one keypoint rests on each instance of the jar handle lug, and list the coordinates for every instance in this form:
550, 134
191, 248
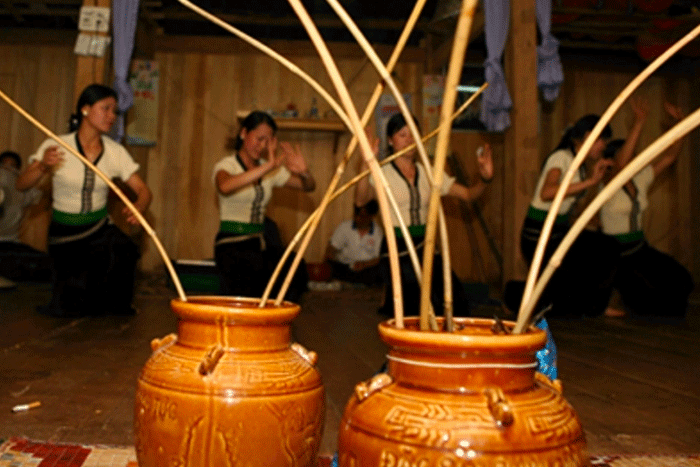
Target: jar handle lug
556, 384
499, 407
366, 388
208, 363
157, 344
308, 355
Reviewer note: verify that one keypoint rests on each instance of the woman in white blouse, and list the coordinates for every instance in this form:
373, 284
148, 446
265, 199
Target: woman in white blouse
650, 282
582, 284
94, 262
409, 182
244, 182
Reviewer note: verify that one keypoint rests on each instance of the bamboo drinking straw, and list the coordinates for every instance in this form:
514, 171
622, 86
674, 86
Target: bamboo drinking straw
388, 81
342, 91
267, 50
414, 17
459, 47
109, 183
352, 182
634, 166
371, 54
312, 222
583, 151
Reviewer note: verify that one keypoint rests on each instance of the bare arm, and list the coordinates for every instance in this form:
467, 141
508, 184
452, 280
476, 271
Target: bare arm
640, 108
143, 198
671, 154
301, 178
485, 159
36, 171
227, 183
551, 184
303, 181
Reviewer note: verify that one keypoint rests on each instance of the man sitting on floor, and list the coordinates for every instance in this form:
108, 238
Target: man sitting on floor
353, 251
18, 261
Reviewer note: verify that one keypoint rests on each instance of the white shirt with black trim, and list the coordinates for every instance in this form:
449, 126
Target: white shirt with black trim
76, 188
562, 160
248, 204
616, 215
412, 200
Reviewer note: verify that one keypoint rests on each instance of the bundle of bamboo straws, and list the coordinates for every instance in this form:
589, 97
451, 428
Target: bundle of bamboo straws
348, 114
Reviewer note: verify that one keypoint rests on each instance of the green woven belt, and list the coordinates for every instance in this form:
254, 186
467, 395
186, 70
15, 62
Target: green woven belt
78, 219
239, 227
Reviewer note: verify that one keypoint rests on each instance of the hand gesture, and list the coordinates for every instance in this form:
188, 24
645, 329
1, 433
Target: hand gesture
373, 141
484, 157
52, 156
131, 218
273, 159
640, 108
601, 167
674, 111
293, 159
374, 146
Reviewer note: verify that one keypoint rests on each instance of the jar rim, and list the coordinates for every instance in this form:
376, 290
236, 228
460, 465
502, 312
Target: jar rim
230, 309
471, 334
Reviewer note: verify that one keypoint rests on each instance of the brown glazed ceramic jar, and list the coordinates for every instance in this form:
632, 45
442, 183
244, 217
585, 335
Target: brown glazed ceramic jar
229, 389
468, 398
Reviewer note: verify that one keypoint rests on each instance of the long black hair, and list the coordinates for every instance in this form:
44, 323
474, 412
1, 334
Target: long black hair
11, 155
90, 95
250, 123
576, 133
394, 125
578, 130
612, 147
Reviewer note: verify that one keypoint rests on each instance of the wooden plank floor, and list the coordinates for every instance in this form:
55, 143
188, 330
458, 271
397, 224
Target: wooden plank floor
634, 384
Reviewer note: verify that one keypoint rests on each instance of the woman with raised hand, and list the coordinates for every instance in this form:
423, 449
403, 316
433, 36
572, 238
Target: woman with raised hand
94, 262
244, 181
650, 282
582, 284
410, 184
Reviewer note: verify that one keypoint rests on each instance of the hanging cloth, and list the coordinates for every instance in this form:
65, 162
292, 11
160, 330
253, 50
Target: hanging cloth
549, 70
496, 102
124, 19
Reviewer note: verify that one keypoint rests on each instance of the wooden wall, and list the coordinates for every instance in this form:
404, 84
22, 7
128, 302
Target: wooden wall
40, 79
201, 91
590, 88
200, 95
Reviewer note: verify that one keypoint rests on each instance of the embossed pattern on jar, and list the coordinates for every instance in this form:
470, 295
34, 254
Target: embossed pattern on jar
469, 398
228, 384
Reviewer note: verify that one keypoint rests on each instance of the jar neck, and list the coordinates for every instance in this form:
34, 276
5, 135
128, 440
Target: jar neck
234, 323
462, 372
234, 337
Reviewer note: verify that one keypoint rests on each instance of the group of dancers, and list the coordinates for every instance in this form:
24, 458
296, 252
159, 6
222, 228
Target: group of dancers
94, 260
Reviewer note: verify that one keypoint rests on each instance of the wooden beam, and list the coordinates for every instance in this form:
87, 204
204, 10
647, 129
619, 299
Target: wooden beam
321, 21
441, 43
35, 36
521, 142
231, 44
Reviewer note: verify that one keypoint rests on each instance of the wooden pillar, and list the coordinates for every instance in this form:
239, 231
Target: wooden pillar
521, 140
91, 69
694, 174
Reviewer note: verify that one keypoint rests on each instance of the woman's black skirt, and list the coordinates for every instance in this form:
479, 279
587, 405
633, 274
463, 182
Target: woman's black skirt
93, 269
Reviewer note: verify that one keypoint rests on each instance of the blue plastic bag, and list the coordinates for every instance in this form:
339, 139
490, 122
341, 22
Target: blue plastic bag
547, 357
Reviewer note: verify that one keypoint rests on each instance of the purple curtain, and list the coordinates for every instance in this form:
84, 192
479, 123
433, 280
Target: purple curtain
124, 18
549, 69
496, 102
